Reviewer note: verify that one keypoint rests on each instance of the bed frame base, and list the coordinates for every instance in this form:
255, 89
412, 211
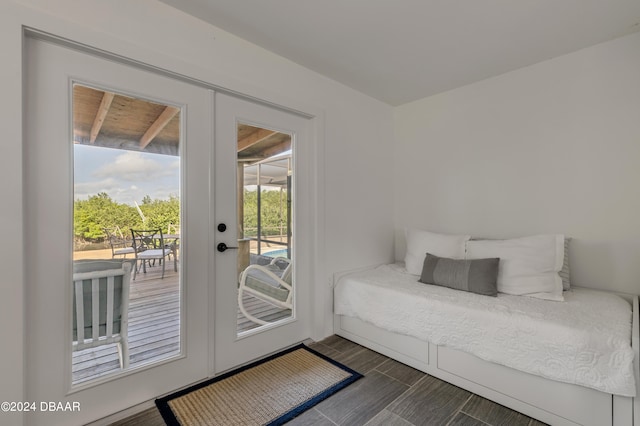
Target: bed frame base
549, 401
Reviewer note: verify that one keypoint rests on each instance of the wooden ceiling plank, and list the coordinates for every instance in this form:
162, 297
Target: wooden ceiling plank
255, 138
103, 109
157, 126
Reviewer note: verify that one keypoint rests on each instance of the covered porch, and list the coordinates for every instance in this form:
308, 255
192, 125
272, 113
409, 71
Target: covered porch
154, 326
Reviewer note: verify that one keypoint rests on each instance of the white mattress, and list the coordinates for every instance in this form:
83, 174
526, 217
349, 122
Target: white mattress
585, 340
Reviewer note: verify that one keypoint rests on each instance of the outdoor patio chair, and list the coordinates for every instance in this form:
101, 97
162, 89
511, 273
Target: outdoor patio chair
148, 246
101, 305
173, 229
120, 246
173, 239
271, 283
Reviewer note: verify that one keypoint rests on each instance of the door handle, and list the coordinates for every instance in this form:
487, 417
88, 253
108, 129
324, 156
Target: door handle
222, 247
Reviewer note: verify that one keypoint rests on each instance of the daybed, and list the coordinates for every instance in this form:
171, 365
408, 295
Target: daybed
571, 362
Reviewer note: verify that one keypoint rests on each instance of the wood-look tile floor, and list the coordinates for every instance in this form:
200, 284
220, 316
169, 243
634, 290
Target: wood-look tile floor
390, 394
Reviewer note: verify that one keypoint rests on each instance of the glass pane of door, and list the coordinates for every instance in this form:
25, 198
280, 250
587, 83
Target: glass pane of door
265, 224
126, 217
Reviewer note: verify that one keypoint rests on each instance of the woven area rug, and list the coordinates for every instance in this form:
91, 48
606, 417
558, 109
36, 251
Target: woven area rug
269, 392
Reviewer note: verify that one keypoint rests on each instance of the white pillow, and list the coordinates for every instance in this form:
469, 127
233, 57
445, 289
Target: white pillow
529, 266
419, 243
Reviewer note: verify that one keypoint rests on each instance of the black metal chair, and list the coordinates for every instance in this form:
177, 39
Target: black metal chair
120, 246
148, 246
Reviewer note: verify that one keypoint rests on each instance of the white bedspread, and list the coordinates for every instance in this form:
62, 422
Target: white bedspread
584, 340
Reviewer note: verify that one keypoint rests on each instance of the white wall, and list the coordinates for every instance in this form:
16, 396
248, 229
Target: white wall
550, 148
11, 213
354, 131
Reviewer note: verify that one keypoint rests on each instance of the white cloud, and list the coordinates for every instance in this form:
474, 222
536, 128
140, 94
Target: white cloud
85, 189
133, 166
127, 176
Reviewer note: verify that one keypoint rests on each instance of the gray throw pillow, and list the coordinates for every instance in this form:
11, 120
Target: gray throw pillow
477, 275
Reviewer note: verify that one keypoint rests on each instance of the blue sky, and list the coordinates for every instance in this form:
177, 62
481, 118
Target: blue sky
127, 176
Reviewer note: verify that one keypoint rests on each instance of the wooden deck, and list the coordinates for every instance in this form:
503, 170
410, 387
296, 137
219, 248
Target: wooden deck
154, 325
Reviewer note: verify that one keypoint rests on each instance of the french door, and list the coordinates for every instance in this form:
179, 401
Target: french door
95, 175
89, 165
261, 211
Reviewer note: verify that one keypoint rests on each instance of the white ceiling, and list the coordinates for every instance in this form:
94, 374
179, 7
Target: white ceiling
402, 50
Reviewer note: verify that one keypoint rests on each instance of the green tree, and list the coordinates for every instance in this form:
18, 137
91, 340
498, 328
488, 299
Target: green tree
273, 212
161, 213
99, 211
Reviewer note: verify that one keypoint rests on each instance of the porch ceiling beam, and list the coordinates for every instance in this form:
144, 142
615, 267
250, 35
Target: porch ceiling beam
277, 149
103, 109
157, 126
254, 138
